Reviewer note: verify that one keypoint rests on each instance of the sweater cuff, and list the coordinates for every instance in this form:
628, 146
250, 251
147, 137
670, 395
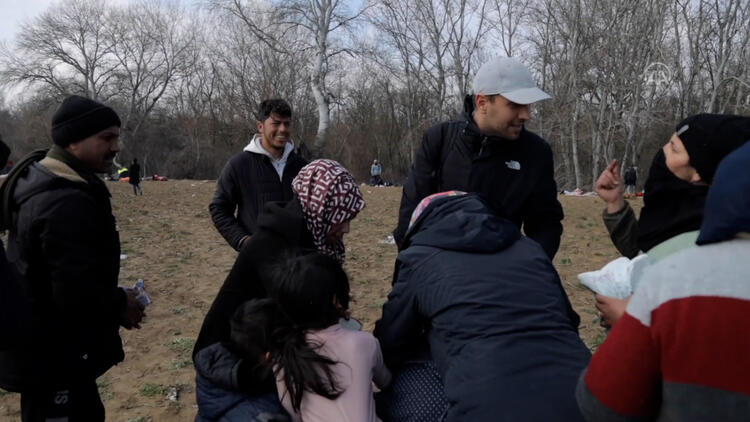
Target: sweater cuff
618, 214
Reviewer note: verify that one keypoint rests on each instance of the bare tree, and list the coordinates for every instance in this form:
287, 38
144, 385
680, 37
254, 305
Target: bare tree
319, 21
151, 42
64, 48
508, 19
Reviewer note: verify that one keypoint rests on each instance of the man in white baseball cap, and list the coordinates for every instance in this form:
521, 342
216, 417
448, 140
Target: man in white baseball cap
503, 90
488, 150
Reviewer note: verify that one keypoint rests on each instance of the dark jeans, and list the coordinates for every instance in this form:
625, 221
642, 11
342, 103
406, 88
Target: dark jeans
137, 188
80, 402
414, 395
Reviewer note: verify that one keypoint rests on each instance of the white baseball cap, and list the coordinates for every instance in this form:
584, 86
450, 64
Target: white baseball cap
511, 79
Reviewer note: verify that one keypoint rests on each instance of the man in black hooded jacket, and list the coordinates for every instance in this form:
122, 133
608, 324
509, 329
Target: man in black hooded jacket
64, 244
489, 151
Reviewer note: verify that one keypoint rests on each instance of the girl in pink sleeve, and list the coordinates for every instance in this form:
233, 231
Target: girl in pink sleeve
324, 372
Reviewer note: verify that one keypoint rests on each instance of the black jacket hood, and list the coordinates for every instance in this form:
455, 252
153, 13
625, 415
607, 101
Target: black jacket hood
464, 223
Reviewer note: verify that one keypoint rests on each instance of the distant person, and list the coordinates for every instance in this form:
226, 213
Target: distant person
680, 352
487, 306
489, 151
63, 241
631, 178
324, 371
375, 171
326, 199
135, 177
261, 173
676, 189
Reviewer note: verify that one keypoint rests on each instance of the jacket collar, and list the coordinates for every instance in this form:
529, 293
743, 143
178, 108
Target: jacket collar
255, 146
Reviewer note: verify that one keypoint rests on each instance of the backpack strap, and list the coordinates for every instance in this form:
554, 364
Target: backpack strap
9, 187
450, 131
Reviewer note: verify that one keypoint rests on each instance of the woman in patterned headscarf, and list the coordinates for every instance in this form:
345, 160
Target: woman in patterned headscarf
326, 200
330, 199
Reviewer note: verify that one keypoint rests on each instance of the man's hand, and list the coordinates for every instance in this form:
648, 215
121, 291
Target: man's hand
133, 314
610, 188
244, 240
610, 309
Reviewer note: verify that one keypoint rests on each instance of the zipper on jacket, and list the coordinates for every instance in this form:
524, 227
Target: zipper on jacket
481, 149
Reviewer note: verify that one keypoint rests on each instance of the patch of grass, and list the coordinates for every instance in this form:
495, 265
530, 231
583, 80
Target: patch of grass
151, 390
140, 419
566, 261
182, 345
4, 393
186, 257
176, 364
173, 269
103, 385
177, 310
598, 340
377, 304
589, 311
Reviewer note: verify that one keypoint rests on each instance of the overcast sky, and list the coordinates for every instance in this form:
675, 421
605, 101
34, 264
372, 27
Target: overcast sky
15, 12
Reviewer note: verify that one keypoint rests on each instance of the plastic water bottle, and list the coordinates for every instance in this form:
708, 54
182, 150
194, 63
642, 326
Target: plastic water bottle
143, 298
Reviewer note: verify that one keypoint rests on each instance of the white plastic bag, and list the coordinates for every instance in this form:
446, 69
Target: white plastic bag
617, 279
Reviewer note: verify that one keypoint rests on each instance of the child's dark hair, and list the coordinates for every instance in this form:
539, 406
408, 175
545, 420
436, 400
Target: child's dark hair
274, 105
251, 328
309, 291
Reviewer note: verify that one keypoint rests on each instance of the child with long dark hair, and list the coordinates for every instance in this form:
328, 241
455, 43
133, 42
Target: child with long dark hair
324, 372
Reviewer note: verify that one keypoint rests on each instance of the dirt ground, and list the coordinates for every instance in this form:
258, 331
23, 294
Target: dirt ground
171, 243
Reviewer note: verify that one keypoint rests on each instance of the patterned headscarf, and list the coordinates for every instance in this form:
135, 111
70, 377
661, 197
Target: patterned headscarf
329, 195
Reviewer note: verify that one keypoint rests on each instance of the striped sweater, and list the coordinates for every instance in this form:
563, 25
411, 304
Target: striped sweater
682, 350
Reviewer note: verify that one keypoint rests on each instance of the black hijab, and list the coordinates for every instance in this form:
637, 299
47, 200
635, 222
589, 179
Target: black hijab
671, 206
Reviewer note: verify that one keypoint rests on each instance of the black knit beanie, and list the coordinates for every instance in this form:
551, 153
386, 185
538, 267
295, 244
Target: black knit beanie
78, 117
708, 138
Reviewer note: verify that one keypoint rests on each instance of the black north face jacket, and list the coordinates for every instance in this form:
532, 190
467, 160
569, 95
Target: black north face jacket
516, 177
